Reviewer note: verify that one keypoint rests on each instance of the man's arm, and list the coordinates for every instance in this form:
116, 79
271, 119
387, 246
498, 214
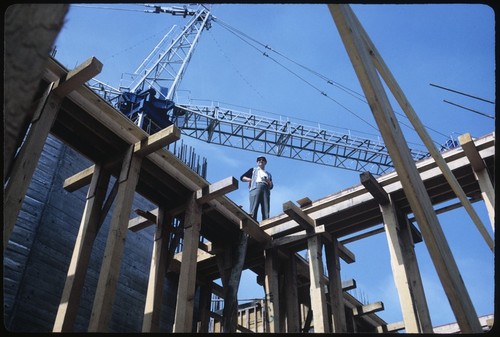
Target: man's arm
247, 175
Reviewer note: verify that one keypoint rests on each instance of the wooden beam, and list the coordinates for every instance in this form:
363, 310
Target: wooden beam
304, 202
230, 311
362, 55
291, 296
467, 144
157, 270
375, 189
187, 277
82, 251
272, 294
392, 327
335, 289
217, 189
115, 244
157, 140
317, 286
403, 262
141, 148
299, 216
368, 309
77, 77
348, 284
251, 227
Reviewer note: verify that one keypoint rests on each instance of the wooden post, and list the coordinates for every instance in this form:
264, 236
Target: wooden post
317, 287
292, 296
414, 321
205, 298
271, 287
110, 269
335, 286
411, 181
231, 280
151, 322
89, 227
403, 261
187, 278
481, 173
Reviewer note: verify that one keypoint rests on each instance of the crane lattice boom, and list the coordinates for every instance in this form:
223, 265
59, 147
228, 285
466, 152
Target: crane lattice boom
148, 99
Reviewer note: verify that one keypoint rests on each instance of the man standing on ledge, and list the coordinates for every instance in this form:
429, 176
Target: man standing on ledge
260, 183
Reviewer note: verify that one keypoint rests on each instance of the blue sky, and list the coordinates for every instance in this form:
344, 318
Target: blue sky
450, 45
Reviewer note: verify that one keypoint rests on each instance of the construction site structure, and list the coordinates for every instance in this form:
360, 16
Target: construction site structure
301, 295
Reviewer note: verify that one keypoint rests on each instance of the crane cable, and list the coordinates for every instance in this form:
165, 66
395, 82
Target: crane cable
353, 93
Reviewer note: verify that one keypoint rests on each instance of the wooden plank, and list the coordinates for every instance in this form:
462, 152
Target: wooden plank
157, 270
345, 254
115, 244
375, 189
354, 40
368, 309
183, 321
25, 163
348, 284
157, 140
299, 216
78, 76
392, 327
217, 189
89, 225
304, 202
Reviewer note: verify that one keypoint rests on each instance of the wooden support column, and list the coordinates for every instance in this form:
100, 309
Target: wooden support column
27, 159
403, 261
115, 244
481, 173
317, 287
271, 287
291, 296
316, 272
332, 252
89, 227
420, 203
187, 278
205, 299
231, 268
159, 264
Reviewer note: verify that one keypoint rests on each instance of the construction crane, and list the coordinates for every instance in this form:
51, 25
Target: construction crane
147, 97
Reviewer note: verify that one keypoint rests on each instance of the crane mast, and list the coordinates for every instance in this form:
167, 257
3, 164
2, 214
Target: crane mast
147, 98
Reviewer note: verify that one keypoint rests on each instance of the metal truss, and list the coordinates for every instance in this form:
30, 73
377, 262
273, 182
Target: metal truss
237, 129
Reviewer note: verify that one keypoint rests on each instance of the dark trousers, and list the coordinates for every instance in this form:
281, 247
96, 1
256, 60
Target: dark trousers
259, 197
